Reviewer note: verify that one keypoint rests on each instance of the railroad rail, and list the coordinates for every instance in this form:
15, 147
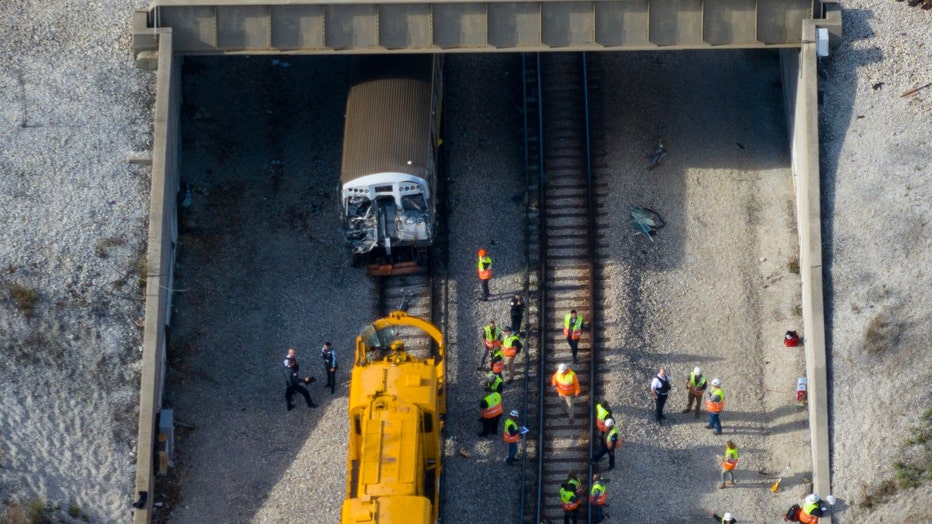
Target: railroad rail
562, 220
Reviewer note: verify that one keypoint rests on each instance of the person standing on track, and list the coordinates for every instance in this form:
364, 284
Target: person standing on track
511, 436
714, 404
610, 442
659, 389
294, 383
567, 386
602, 413
572, 330
729, 461
695, 388
491, 338
330, 365
485, 273
494, 382
570, 492
490, 411
511, 346
517, 312
597, 498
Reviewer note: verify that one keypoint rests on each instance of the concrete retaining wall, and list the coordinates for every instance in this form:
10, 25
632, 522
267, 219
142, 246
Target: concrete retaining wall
160, 261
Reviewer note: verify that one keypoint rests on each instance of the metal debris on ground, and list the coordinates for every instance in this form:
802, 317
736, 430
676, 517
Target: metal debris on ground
912, 92
646, 221
657, 155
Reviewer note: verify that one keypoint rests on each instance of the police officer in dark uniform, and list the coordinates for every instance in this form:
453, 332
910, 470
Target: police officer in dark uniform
293, 382
330, 365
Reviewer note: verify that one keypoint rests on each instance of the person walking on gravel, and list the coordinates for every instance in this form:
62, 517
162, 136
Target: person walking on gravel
659, 389
572, 330
570, 491
729, 461
511, 435
610, 442
597, 498
714, 404
490, 410
511, 346
293, 382
485, 273
567, 386
517, 312
695, 388
491, 338
330, 365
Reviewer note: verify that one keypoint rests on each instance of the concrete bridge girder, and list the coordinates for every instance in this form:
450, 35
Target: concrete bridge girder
321, 27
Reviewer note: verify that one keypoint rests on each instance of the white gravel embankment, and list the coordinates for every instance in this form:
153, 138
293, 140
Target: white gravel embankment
74, 111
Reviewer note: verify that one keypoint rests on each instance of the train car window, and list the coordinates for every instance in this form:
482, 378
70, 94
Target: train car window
428, 423
357, 424
413, 202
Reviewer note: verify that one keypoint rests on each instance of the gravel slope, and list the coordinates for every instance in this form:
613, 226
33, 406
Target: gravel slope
75, 112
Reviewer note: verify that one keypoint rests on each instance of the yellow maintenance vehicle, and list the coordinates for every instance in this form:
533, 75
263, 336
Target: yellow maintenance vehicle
397, 404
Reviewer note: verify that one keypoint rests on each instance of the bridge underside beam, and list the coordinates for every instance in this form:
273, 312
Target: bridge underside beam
320, 27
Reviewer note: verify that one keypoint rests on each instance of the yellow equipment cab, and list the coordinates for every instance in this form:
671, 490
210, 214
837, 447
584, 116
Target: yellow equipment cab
397, 402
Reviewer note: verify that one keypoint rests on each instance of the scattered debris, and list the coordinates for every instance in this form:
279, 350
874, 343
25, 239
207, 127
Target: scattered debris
657, 155
646, 221
912, 92
464, 453
877, 86
776, 485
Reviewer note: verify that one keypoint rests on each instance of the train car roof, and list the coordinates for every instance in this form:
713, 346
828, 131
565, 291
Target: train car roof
388, 122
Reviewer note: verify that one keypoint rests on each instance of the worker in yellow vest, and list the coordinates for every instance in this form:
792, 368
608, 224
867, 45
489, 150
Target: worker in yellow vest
695, 387
602, 413
597, 498
485, 273
569, 497
729, 462
572, 330
511, 346
714, 404
490, 410
567, 386
491, 339
511, 435
610, 442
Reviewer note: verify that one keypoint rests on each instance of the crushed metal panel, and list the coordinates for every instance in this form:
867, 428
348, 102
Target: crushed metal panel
244, 27
730, 22
781, 21
514, 24
195, 28
567, 23
460, 25
352, 26
298, 27
622, 23
405, 26
676, 22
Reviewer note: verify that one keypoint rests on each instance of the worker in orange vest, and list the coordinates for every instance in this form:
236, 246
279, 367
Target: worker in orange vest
729, 461
567, 386
602, 413
511, 435
490, 410
572, 330
813, 508
511, 346
485, 273
610, 442
714, 404
597, 498
570, 491
491, 339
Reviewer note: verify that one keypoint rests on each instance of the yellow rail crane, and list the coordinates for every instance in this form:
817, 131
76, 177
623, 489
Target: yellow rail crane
397, 404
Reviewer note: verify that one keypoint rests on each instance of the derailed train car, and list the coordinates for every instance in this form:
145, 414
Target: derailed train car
397, 404
388, 177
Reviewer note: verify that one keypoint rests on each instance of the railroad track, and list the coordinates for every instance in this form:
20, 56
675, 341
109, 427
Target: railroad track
562, 225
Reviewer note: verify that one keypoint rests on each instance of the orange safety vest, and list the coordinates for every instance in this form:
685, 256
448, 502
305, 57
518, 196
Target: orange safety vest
597, 495
600, 415
715, 407
485, 274
806, 518
569, 499
572, 329
494, 401
566, 384
731, 459
509, 438
510, 351
498, 365
492, 337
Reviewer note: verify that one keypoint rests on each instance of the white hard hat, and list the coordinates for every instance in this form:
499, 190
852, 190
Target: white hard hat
716, 382
610, 422
697, 371
812, 498
561, 368
726, 516
514, 413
